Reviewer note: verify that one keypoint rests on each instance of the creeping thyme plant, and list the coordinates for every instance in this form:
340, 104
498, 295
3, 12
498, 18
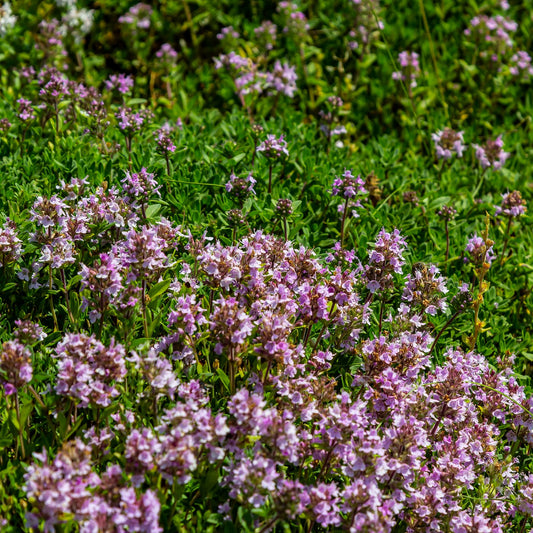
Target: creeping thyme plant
266, 266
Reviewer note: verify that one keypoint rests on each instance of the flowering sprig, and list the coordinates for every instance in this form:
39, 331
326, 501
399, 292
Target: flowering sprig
491, 154
409, 69
273, 149
513, 206
447, 142
349, 187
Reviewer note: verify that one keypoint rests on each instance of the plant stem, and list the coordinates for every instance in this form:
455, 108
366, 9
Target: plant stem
506, 239
21, 439
449, 321
270, 178
51, 284
446, 257
67, 299
143, 304
343, 221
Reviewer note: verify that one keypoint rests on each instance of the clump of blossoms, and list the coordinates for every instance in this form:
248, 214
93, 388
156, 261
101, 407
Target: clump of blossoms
384, 260
228, 33
348, 187
120, 82
273, 149
130, 122
409, 69
493, 34
67, 488
28, 332
479, 251
425, 289
290, 441
448, 142
139, 186
366, 25
137, 18
246, 75
266, 35
88, 369
15, 366
282, 79
513, 205
165, 145
10, 244
240, 188
491, 154
296, 24
520, 65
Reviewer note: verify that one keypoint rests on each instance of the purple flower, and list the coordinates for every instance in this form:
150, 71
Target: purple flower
15, 366
385, 259
266, 34
513, 205
87, 369
25, 110
447, 142
138, 17
273, 148
410, 69
28, 332
282, 79
227, 31
480, 252
122, 83
241, 188
10, 244
167, 55
348, 186
491, 154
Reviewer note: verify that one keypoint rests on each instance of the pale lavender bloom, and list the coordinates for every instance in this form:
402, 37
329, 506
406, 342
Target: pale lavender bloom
447, 142
241, 188
122, 83
348, 185
129, 121
15, 366
138, 17
520, 65
492, 32
104, 284
165, 144
10, 244
87, 369
28, 332
410, 68
141, 450
295, 20
282, 79
385, 259
25, 110
479, 252
166, 54
513, 205
142, 253
266, 34
491, 154
139, 185
425, 288
273, 148
227, 31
